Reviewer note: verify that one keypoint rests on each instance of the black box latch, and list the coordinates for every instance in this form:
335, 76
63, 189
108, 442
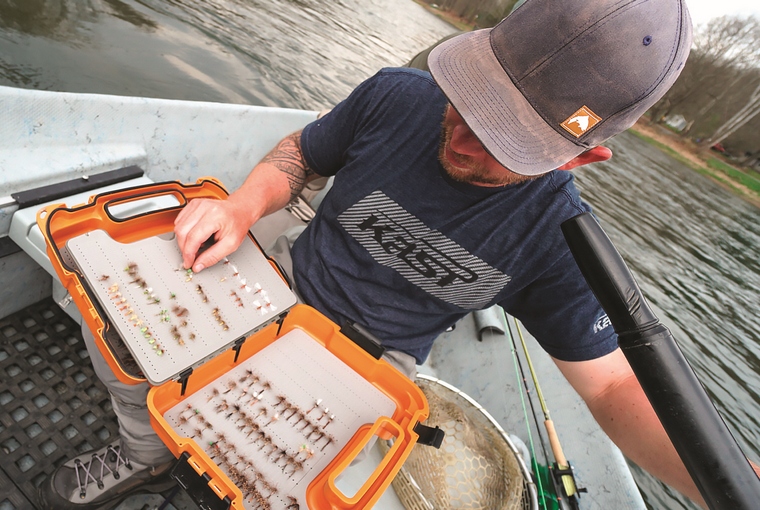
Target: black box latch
197, 486
237, 346
429, 436
183, 378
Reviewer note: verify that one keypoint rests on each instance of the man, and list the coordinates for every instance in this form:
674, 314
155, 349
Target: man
449, 192
425, 223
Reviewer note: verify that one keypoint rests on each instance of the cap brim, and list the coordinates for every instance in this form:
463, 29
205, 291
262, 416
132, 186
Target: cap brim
468, 73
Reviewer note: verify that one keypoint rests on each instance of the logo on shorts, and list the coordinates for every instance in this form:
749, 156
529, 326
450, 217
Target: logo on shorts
581, 121
601, 323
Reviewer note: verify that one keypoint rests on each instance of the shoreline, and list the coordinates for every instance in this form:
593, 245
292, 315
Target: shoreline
449, 18
697, 159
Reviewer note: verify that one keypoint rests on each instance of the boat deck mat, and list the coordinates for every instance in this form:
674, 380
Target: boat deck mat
52, 406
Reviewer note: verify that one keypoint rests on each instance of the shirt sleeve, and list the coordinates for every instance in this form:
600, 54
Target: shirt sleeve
327, 143
563, 314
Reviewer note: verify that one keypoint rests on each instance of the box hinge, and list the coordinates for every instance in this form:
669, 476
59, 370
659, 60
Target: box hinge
363, 339
279, 321
183, 377
236, 347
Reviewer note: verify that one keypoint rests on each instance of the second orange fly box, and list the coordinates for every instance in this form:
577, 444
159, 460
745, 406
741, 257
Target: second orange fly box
264, 401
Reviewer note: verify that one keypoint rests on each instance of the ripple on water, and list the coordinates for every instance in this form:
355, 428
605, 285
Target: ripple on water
691, 245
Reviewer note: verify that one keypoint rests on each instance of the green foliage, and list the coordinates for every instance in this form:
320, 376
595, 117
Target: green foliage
734, 174
715, 169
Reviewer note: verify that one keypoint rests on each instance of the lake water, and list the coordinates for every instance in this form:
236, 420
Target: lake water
692, 246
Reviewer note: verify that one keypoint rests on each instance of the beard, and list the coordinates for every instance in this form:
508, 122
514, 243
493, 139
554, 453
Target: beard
467, 169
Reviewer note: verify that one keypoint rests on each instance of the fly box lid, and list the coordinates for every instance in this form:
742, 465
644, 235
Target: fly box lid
151, 318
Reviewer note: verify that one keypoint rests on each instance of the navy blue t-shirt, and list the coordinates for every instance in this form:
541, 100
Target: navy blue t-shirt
400, 248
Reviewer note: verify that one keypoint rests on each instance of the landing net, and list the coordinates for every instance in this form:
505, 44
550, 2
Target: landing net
477, 466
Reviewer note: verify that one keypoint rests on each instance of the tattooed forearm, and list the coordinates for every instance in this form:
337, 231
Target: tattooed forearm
287, 158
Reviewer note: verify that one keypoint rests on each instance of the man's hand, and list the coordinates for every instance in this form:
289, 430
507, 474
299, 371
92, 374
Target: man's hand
275, 181
203, 218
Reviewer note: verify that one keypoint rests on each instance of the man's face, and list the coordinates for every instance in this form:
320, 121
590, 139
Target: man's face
463, 157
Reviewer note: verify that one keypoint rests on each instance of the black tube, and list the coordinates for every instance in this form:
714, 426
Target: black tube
712, 456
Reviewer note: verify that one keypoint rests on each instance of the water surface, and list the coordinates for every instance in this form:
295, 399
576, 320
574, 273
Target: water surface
692, 246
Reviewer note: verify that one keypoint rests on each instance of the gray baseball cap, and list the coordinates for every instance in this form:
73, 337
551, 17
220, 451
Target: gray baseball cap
558, 77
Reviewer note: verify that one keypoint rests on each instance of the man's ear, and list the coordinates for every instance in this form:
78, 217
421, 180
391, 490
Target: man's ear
594, 155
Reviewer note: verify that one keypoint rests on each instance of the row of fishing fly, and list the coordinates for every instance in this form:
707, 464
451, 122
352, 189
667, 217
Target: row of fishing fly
261, 439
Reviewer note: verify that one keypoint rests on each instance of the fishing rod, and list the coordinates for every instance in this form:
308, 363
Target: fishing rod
721, 472
562, 472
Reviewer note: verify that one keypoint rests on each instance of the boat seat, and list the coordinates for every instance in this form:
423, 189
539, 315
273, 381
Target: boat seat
27, 235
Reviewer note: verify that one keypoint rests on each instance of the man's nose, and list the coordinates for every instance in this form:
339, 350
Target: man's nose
464, 142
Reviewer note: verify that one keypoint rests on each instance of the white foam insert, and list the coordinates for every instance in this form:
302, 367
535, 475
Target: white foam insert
246, 292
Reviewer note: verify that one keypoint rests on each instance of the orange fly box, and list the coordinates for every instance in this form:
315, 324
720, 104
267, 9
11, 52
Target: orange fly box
325, 398
265, 401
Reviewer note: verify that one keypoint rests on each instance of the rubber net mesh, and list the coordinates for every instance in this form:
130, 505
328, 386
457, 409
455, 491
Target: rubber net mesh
475, 468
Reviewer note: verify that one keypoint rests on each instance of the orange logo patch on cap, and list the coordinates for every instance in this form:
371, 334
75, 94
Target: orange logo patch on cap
581, 121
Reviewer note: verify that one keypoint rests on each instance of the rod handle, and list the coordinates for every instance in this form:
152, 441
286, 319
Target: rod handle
607, 275
717, 465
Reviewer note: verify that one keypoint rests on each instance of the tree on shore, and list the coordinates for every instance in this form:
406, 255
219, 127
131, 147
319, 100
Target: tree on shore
718, 90
746, 113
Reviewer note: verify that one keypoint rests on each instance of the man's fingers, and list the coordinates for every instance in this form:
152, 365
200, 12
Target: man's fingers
197, 222
193, 241
215, 253
184, 223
